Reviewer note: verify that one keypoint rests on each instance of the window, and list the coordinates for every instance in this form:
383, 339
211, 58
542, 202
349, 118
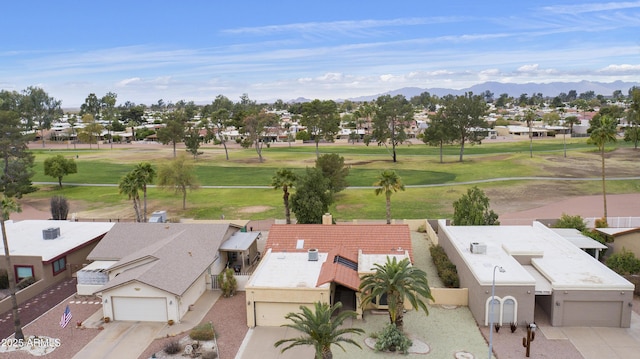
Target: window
23, 272
59, 265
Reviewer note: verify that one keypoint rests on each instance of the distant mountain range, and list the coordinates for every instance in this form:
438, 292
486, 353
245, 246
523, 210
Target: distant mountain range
515, 90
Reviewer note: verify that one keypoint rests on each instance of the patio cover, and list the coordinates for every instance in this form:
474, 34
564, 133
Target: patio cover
239, 241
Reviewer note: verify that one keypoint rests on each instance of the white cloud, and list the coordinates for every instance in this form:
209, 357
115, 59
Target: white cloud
127, 82
584, 8
621, 69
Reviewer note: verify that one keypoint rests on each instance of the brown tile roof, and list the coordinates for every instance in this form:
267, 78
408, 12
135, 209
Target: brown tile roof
370, 238
338, 273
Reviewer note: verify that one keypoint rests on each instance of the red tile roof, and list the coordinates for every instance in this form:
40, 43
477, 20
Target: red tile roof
344, 241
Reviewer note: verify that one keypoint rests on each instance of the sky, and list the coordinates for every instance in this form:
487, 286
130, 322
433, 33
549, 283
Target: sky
194, 50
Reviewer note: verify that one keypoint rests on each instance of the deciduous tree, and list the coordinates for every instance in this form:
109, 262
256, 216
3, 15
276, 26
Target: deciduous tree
392, 116
58, 166
37, 107
472, 209
322, 121
178, 175
312, 197
333, 168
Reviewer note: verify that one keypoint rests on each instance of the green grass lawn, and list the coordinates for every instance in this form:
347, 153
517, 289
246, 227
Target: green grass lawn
417, 165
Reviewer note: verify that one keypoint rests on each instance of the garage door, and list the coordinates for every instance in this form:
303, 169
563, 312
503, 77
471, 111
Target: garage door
272, 314
592, 314
139, 309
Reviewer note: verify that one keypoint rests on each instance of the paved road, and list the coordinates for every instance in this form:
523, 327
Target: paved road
488, 180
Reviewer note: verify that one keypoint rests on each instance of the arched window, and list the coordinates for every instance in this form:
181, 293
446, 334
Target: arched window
494, 312
509, 310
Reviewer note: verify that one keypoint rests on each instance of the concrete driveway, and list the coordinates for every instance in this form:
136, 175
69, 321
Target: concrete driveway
121, 340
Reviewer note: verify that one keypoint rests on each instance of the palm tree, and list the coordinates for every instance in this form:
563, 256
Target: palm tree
8, 206
388, 182
145, 175
399, 281
285, 179
130, 185
602, 131
321, 329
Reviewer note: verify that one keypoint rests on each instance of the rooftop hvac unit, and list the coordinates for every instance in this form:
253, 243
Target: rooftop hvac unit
478, 248
51, 233
313, 255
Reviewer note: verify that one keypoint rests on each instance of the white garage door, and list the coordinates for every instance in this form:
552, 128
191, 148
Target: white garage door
139, 309
272, 314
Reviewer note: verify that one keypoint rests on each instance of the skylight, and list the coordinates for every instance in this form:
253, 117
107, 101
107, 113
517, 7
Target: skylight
300, 244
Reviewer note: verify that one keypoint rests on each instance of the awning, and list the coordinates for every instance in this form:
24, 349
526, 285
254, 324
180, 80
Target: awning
239, 241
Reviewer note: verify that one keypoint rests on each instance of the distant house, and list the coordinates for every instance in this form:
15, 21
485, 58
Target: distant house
306, 263
623, 238
50, 251
543, 270
154, 271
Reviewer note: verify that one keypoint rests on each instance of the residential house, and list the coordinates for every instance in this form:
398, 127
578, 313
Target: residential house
306, 263
542, 271
155, 271
50, 251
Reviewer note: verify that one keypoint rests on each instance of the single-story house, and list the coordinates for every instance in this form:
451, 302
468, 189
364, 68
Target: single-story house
306, 263
155, 271
541, 270
624, 238
50, 250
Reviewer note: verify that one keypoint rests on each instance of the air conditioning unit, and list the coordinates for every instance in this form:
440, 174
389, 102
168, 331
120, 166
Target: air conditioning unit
51, 233
478, 248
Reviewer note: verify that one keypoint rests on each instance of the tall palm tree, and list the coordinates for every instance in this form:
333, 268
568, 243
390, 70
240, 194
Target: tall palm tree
321, 329
602, 131
145, 175
399, 281
129, 185
285, 179
9, 206
387, 183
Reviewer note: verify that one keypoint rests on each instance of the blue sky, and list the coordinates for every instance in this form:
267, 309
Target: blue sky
195, 50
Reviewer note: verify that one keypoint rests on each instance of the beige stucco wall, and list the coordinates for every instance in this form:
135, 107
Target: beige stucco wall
479, 294
605, 308
191, 295
295, 296
630, 241
450, 296
139, 290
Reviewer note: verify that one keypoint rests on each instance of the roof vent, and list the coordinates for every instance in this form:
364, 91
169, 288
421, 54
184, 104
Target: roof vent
313, 255
51, 233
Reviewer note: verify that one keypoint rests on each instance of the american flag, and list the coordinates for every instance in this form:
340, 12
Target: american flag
66, 317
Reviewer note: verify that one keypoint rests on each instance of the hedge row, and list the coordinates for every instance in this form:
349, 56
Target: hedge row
446, 270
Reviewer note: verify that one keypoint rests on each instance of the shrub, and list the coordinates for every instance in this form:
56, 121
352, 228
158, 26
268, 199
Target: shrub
227, 282
392, 339
447, 271
624, 262
203, 331
4, 279
172, 347
567, 221
422, 228
25, 282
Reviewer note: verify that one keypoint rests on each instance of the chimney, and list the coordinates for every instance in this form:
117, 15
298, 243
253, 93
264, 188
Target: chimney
327, 219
